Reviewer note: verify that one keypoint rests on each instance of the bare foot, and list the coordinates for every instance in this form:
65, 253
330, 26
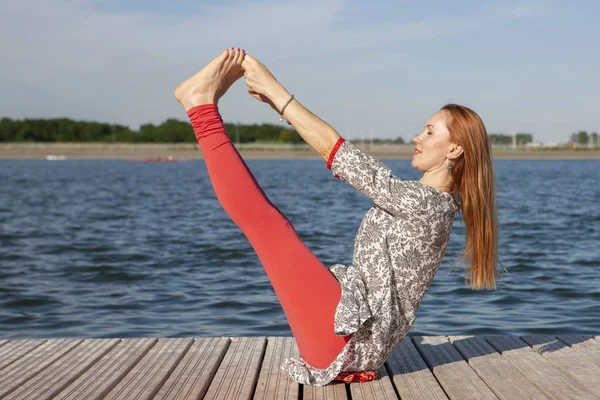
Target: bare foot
208, 85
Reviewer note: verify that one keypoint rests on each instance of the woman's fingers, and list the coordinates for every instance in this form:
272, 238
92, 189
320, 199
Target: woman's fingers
249, 59
249, 62
254, 94
257, 76
246, 63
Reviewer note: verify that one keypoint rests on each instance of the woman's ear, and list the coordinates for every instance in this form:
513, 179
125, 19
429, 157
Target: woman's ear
454, 151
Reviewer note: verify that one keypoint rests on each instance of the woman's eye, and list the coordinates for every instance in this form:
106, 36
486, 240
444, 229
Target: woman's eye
429, 133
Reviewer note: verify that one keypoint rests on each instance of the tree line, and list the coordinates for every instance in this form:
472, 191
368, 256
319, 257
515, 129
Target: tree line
583, 137
175, 131
580, 137
502, 139
170, 131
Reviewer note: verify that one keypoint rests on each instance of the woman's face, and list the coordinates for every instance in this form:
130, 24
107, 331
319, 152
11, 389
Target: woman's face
433, 144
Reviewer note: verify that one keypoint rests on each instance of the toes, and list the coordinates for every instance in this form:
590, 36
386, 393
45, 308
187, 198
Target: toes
224, 57
230, 54
239, 56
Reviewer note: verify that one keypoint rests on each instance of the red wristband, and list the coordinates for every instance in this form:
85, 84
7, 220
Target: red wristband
334, 151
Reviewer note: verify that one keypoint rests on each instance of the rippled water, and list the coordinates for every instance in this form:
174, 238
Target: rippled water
121, 249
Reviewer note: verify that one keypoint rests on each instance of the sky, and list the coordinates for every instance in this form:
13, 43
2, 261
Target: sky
368, 68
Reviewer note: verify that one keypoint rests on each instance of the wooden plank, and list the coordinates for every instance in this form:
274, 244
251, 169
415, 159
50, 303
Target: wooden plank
411, 376
17, 349
104, 375
151, 372
183, 369
63, 371
546, 376
193, 375
505, 380
29, 365
582, 369
583, 344
331, 391
456, 376
273, 382
380, 389
238, 372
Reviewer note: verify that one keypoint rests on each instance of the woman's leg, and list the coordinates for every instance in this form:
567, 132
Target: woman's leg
308, 293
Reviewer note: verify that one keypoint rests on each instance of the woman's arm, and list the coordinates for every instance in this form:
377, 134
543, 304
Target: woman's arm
360, 170
319, 135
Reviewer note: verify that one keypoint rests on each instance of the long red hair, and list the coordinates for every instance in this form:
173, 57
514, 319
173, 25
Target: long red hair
475, 188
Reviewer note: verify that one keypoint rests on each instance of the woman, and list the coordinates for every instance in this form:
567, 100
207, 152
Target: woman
349, 319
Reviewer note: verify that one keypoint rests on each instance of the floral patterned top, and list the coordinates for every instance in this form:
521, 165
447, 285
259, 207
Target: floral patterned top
397, 251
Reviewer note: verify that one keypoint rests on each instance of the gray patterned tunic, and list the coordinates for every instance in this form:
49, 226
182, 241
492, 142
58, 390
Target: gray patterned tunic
397, 251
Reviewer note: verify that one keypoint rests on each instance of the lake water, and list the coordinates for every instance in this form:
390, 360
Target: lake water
94, 248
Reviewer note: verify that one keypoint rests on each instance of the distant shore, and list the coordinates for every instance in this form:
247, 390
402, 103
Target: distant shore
186, 151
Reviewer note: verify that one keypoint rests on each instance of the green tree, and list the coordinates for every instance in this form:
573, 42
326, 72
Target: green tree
175, 131
580, 137
146, 134
8, 130
499, 138
285, 136
170, 131
523, 138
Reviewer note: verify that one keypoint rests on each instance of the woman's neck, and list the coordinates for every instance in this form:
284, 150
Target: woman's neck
439, 179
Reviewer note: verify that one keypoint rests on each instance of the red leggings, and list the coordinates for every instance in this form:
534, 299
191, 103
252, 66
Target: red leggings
307, 291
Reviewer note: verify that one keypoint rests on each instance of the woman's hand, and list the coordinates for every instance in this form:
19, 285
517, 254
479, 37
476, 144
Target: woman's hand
261, 83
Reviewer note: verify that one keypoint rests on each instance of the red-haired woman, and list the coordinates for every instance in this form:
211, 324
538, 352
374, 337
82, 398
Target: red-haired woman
347, 320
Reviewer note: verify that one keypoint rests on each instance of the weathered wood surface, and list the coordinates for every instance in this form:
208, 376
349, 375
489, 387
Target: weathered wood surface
56, 376
195, 372
422, 367
273, 383
457, 378
586, 345
411, 375
570, 361
238, 372
544, 374
504, 379
107, 372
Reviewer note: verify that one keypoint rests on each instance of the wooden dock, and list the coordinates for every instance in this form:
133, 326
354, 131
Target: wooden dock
423, 367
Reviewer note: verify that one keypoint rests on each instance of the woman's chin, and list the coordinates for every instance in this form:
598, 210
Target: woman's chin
416, 166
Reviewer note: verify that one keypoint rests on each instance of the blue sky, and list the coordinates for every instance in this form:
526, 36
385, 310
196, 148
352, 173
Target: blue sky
367, 68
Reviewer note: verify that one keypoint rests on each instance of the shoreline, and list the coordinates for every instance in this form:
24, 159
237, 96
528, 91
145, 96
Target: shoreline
191, 151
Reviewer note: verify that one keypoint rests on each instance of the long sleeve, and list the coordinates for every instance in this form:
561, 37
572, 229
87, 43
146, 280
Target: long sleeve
375, 180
